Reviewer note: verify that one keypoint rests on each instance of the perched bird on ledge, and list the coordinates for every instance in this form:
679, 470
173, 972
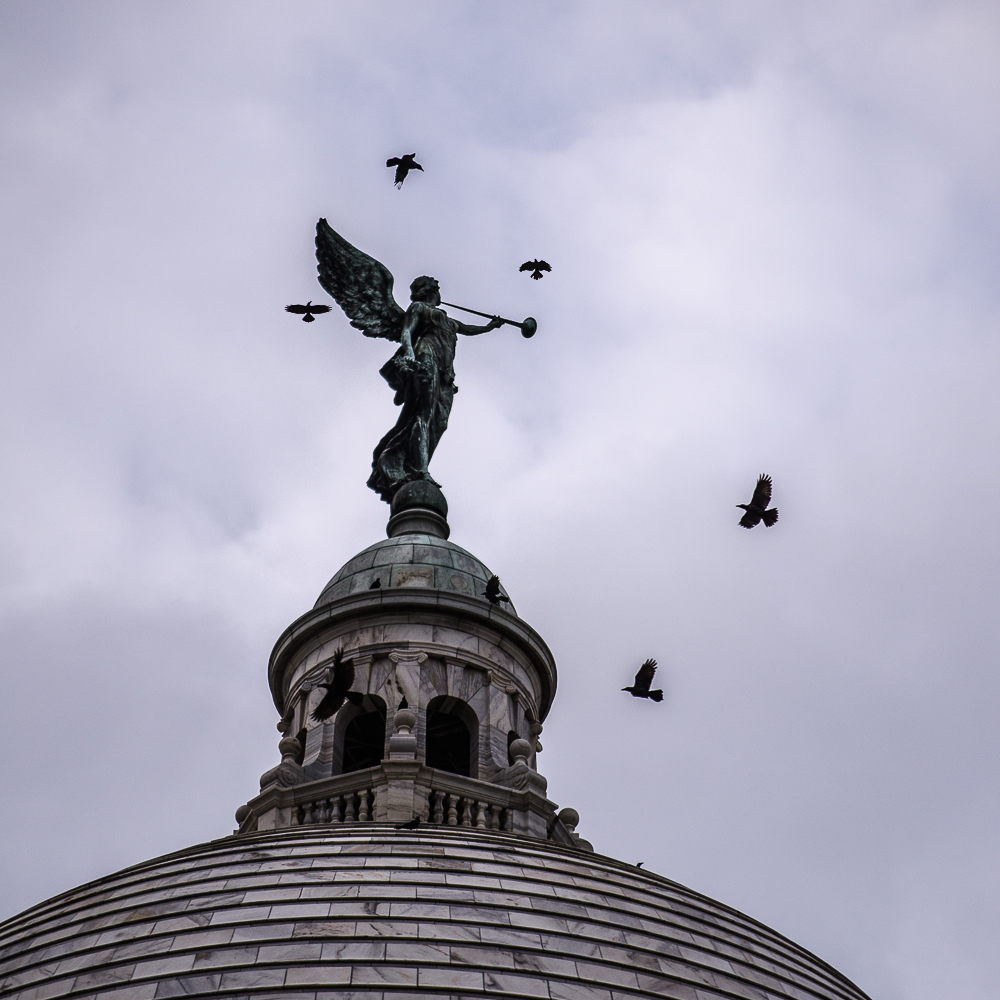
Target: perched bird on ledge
308, 309
339, 679
536, 267
640, 686
411, 825
492, 593
403, 165
756, 510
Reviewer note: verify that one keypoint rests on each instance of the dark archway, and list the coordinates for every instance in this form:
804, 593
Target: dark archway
302, 735
364, 741
451, 736
511, 736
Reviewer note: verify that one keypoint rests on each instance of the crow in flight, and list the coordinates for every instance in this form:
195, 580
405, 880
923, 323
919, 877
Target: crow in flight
412, 825
403, 165
376, 583
339, 679
640, 686
756, 510
493, 594
535, 267
308, 309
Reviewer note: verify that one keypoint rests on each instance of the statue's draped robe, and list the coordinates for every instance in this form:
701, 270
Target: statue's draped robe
425, 388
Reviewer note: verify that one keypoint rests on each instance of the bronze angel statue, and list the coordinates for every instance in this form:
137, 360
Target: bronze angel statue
421, 372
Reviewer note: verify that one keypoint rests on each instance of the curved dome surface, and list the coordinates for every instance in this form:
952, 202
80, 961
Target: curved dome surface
410, 560
372, 913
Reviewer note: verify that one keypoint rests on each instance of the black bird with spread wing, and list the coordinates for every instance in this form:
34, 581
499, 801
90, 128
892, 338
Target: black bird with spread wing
409, 825
307, 311
757, 510
640, 686
339, 679
535, 267
492, 593
403, 165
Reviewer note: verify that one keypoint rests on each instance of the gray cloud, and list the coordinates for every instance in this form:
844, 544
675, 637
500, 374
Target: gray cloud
774, 235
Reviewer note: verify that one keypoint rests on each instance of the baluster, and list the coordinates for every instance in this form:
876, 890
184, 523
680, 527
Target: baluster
349, 813
452, 810
297, 815
467, 811
508, 821
335, 809
495, 818
364, 814
438, 814
481, 815
323, 813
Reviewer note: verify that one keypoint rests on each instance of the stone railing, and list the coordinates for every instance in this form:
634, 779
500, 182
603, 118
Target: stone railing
345, 807
402, 788
451, 800
455, 809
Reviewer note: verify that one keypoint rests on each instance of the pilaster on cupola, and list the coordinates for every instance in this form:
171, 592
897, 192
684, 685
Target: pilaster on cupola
449, 695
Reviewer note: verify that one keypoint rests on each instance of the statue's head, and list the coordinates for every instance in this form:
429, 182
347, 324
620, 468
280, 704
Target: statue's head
425, 289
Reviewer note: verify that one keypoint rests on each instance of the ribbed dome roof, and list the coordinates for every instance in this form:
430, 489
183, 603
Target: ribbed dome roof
411, 560
375, 913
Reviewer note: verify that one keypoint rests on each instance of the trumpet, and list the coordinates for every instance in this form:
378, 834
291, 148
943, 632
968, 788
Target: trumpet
527, 326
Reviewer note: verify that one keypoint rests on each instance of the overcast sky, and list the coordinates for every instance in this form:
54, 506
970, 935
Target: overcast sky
774, 230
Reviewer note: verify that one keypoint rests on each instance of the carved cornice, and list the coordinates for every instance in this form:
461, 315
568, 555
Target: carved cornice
419, 652
407, 655
512, 632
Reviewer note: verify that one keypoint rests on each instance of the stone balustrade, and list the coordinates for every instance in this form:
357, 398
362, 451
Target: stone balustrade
403, 788
398, 791
450, 803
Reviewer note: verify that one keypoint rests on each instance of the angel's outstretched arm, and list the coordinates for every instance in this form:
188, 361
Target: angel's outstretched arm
473, 331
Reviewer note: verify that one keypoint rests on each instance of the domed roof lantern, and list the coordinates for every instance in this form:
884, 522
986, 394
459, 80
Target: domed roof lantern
446, 691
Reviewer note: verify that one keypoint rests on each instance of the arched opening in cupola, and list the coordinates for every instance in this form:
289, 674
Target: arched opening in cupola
360, 737
452, 736
511, 736
302, 735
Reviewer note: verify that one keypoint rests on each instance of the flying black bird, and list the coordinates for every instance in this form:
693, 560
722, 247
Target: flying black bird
756, 510
376, 583
308, 309
535, 267
493, 594
412, 825
640, 686
339, 679
403, 165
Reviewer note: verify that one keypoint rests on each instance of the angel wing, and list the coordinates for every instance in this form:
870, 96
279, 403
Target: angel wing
360, 284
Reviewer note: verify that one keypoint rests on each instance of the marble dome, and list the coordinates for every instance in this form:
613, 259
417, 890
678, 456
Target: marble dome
375, 913
411, 560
